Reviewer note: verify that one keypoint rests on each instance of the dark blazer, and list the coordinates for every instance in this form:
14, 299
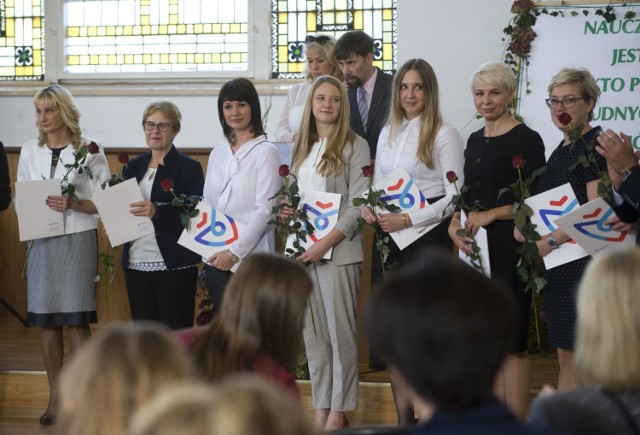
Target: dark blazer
629, 211
490, 418
5, 183
187, 177
378, 111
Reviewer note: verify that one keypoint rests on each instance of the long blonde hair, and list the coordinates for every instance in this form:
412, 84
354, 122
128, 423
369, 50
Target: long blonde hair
60, 98
331, 161
115, 373
431, 118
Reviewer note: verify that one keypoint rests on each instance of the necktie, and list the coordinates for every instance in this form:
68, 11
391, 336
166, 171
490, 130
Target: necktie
363, 108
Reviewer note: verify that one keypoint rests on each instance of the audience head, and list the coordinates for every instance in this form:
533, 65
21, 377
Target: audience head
444, 328
240, 405
240, 91
574, 91
320, 60
493, 86
56, 104
161, 122
608, 322
327, 104
354, 53
262, 310
116, 372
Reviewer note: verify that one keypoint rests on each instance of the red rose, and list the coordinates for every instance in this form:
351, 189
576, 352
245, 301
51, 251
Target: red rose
452, 177
93, 148
517, 161
564, 118
367, 171
283, 170
166, 184
123, 158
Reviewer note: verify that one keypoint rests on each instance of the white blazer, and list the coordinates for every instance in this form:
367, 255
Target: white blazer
35, 164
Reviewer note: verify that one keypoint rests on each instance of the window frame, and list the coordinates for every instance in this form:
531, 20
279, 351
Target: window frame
258, 56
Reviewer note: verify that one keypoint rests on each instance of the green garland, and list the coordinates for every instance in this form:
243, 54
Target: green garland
519, 36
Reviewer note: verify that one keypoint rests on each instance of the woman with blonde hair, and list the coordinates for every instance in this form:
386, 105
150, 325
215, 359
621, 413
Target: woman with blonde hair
328, 157
488, 170
607, 355
61, 269
240, 405
259, 325
115, 373
417, 140
319, 61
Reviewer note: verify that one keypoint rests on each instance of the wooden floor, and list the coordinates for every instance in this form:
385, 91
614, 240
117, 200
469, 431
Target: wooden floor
24, 390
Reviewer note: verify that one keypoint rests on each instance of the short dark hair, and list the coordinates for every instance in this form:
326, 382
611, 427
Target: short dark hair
444, 327
353, 42
240, 90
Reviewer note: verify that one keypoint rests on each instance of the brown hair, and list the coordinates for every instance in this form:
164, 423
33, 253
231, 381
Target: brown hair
262, 310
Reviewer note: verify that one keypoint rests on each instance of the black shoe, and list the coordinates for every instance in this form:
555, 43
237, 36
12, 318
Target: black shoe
47, 419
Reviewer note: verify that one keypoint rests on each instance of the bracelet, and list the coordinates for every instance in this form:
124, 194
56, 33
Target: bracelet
404, 220
455, 220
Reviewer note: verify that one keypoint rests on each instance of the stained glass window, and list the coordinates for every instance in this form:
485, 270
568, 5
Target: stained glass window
21, 40
293, 20
135, 36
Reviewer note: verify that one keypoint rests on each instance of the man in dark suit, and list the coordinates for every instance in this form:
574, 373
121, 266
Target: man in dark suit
369, 87
444, 330
5, 187
624, 173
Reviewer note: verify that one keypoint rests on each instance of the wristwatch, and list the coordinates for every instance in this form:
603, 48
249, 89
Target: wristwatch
552, 242
233, 257
624, 174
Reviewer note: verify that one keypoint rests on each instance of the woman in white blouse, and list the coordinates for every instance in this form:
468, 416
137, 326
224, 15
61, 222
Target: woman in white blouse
61, 269
319, 62
241, 177
416, 139
328, 157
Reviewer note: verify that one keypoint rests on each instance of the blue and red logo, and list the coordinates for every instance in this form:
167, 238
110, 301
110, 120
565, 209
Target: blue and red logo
322, 212
406, 198
219, 232
596, 228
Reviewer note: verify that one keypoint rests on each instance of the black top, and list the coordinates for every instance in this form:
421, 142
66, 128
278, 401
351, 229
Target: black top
187, 177
488, 167
5, 182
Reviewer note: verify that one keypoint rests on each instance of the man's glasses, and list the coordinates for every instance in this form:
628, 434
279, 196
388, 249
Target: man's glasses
162, 126
567, 103
317, 39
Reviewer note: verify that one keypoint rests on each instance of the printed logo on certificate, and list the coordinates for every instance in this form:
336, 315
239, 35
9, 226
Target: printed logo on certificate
403, 192
586, 225
210, 231
322, 210
547, 208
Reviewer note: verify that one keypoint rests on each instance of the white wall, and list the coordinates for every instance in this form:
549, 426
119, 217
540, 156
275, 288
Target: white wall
455, 36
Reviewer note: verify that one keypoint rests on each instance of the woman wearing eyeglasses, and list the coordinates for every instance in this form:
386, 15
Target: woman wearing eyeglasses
319, 62
242, 177
160, 274
573, 95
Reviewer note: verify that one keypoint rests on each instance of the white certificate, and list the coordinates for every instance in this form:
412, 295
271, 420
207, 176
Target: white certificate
35, 219
586, 225
483, 244
113, 207
547, 208
403, 192
211, 231
322, 210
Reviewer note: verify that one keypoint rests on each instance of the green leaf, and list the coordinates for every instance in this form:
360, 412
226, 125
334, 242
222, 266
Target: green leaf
357, 202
